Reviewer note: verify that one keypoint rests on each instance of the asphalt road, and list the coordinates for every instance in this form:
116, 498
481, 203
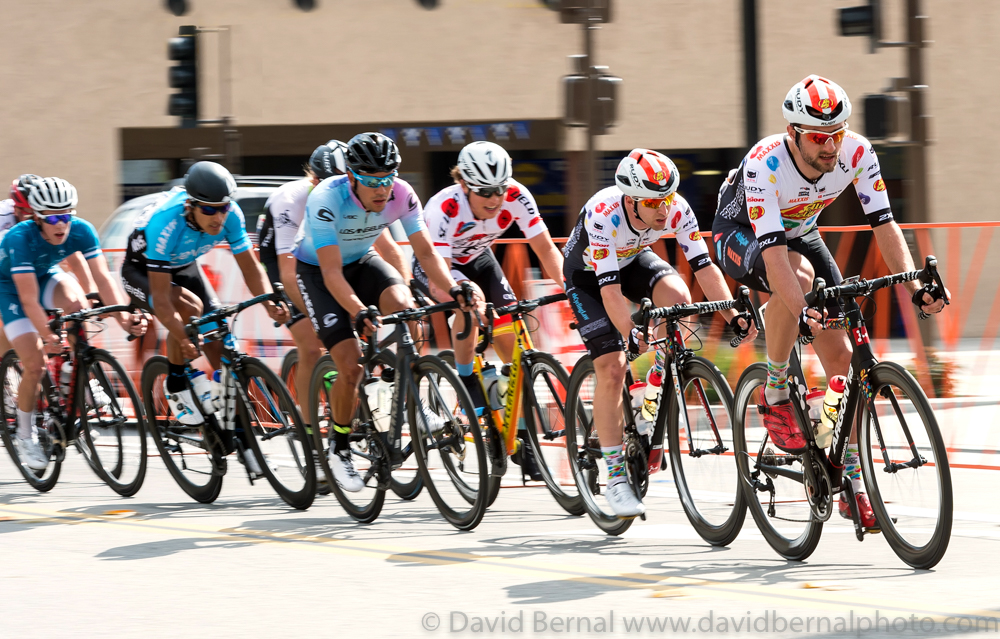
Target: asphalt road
80, 561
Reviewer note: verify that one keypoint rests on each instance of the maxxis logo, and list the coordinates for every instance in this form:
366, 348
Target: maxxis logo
164, 239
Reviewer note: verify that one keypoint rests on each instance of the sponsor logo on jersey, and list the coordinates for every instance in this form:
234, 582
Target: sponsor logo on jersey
760, 152
804, 211
742, 239
326, 215
138, 243
598, 226
733, 256
769, 241
600, 207
695, 236
857, 157
465, 228
614, 233
616, 220
676, 219
366, 230
751, 175
625, 253
755, 199
161, 244
880, 185
600, 254
803, 192
772, 163
684, 246
772, 179
607, 279
504, 219
843, 167
864, 198
329, 320
450, 207
755, 189
756, 212
513, 193
798, 200
885, 216
411, 203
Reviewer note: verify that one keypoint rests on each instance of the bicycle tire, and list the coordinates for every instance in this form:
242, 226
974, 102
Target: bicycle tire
796, 548
286, 461
703, 480
160, 423
901, 535
536, 424
367, 507
120, 475
44, 480
288, 364
587, 465
457, 431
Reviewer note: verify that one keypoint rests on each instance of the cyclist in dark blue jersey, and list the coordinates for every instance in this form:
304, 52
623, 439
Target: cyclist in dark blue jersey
32, 281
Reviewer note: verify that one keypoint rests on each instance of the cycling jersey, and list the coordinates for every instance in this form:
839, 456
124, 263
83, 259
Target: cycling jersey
769, 194
461, 237
7, 217
24, 251
164, 240
335, 217
283, 213
604, 240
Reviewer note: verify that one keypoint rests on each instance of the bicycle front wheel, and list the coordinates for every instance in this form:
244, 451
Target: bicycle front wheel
701, 452
112, 423
772, 480
905, 467
448, 442
10, 375
276, 434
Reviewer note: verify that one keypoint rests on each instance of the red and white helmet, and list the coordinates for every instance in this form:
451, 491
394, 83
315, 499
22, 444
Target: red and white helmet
816, 101
646, 174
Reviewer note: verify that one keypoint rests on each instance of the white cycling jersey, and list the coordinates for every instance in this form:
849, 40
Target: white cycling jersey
7, 217
604, 239
457, 233
288, 207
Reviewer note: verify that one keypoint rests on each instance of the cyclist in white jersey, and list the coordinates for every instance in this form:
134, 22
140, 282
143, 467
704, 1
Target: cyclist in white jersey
608, 261
766, 235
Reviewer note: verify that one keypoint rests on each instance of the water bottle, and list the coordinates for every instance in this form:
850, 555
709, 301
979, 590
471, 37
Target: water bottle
503, 382
217, 390
651, 396
814, 401
491, 380
638, 392
202, 387
379, 396
831, 407
65, 377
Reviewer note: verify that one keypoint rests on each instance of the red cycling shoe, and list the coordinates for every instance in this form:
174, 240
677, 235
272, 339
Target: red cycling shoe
781, 425
864, 507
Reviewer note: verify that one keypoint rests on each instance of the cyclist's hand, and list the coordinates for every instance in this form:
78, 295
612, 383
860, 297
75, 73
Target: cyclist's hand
276, 312
188, 349
810, 321
133, 324
369, 326
636, 345
743, 328
929, 303
467, 297
51, 342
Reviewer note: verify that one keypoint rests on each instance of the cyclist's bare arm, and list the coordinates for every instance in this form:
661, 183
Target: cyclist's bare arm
549, 256
714, 285
393, 254
785, 284
257, 282
897, 257
111, 291
286, 270
618, 309
27, 292
432, 262
77, 265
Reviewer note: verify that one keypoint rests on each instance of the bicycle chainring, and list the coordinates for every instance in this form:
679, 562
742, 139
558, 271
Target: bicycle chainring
819, 489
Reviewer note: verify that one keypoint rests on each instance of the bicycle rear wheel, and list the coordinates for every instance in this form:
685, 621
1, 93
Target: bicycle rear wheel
449, 446
194, 465
905, 467
702, 457
10, 376
545, 393
289, 365
279, 439
583, 449
772, 480
112, 423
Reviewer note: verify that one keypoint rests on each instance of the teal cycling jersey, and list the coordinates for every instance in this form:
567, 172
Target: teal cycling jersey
24, 251
335, 217
164, 240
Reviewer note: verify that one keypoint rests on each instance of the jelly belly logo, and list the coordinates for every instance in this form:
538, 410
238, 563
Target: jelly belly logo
756, 212
450, 207
879, 185
804, 211
824, 104
695, 236
600, 254
857, 157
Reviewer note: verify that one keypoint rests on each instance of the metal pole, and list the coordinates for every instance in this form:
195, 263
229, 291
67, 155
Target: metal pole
916, 180
750, 71
588, 49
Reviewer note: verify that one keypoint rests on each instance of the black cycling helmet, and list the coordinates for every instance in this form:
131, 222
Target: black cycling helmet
209, 182
372, 153
328, 159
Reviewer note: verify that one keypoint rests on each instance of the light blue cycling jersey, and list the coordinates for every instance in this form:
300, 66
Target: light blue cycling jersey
24, 251
335, 217
163, 240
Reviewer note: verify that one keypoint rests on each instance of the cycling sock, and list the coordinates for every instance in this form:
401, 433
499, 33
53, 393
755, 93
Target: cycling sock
175, 378
777, 381
852, 468
475, 389
25, 424
464, 370
655, 374
616, 465
341, 437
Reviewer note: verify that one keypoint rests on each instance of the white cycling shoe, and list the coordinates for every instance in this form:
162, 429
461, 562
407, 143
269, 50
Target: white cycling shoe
623, 501
250, 461
182, 407
96, 397
430, 423
29, 451
343, 471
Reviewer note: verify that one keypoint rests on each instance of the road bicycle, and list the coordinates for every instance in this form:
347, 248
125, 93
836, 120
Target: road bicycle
98, 410
446, 442
903, 458
257, 414
700, 444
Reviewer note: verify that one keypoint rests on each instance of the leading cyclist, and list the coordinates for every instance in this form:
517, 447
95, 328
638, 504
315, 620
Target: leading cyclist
608, 261
340, 276
32, 281
766, 235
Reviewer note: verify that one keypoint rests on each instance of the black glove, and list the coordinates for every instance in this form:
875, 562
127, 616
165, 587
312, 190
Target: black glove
633, 345
918, 296
804, 329
738, 330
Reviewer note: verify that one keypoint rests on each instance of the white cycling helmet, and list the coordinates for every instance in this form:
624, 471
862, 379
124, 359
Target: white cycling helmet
646, 174
52, 194
816, 101
484, 165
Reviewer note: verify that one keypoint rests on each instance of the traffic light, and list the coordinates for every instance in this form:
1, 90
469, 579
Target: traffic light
604, 92
885, 115
581, 11
184, 76
864, 20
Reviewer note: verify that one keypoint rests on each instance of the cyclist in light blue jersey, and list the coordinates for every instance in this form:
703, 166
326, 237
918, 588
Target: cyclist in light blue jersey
31, 281
161, 273
339, 275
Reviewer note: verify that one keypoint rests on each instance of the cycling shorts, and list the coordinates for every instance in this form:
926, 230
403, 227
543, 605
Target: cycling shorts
596, 328
135, 281
368, 276
15, 322
274, 275
484, 271
740, 256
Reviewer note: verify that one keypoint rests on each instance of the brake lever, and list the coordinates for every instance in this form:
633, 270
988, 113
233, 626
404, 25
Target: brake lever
641, 317
487, 328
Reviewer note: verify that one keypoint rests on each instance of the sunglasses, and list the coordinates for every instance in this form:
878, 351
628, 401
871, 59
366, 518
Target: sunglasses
489, 192
655, 203
820, 137
213, 209
61, 218
373, 182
